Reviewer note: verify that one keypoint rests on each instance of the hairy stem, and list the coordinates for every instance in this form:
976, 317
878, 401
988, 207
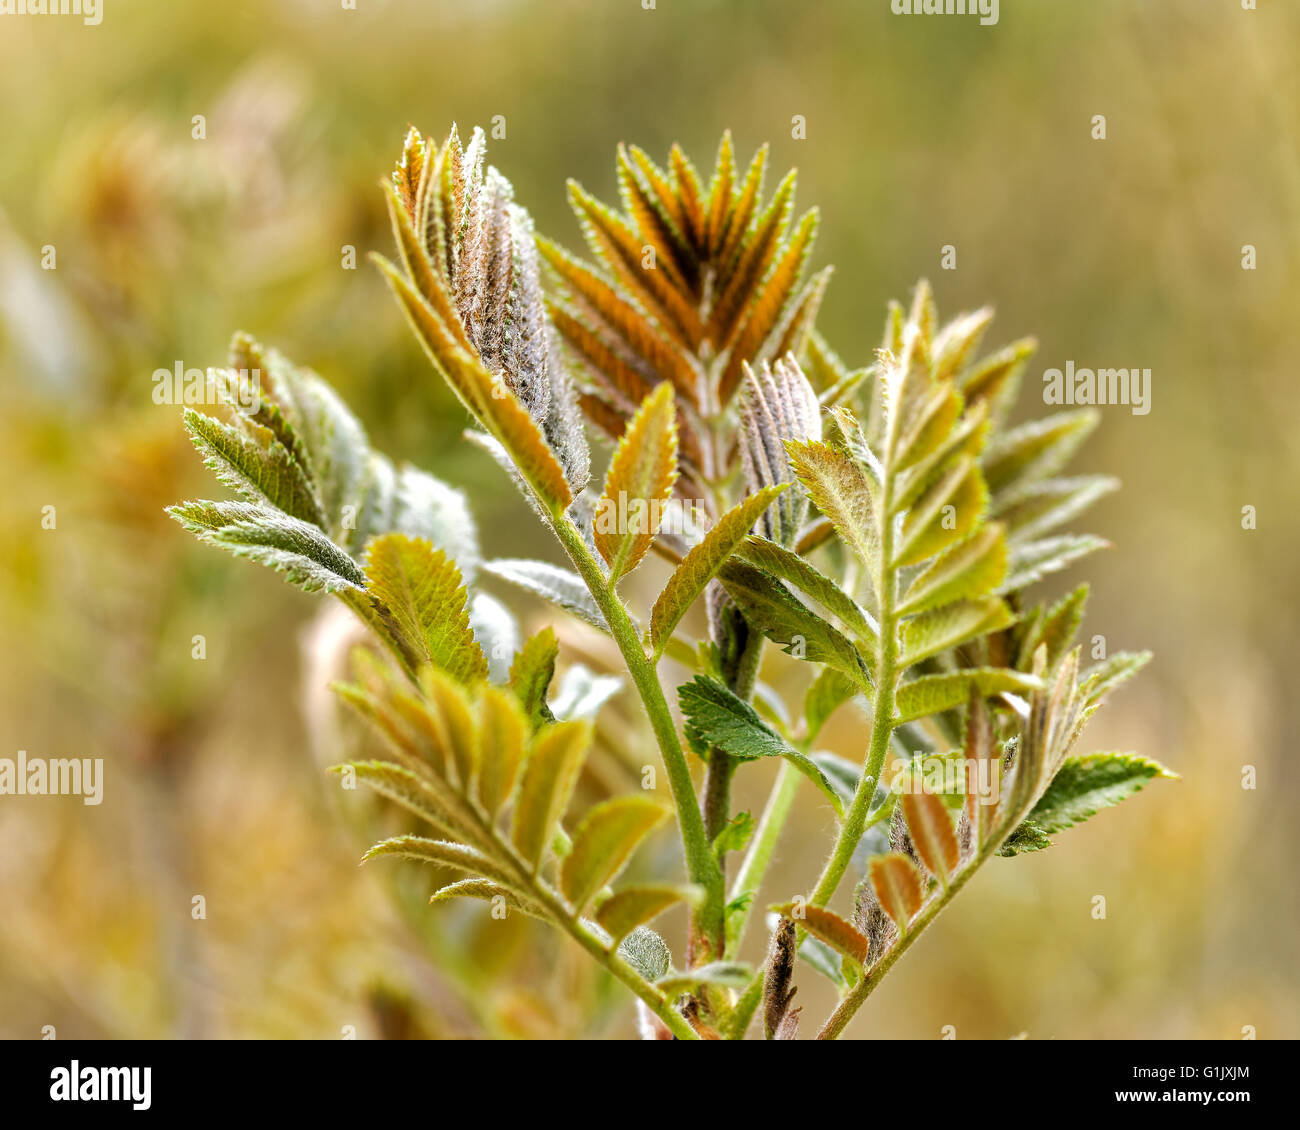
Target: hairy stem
754, 867
855, 997
882, 728
701, 865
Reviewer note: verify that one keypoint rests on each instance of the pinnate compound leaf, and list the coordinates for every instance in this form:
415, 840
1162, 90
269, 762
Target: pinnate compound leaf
640, 480
420, 589
631, 907
1085, 785
550, 772
298, 549
702, 563
603, 843
841, 936
897, 884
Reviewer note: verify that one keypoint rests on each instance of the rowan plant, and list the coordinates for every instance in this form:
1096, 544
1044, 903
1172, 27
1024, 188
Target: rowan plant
882, 524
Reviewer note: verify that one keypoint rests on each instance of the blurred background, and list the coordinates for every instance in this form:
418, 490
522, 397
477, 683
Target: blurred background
920, 133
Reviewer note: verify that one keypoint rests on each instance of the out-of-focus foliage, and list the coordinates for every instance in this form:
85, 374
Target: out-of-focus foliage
920, 135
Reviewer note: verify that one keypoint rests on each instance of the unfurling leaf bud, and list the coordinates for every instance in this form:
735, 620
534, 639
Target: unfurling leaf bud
870, 919
777, 992
779, 405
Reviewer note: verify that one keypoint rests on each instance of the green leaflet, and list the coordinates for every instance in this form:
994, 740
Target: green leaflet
944, 515
1055, 629
550, 772
715, 716
789, 566
420, 590
933, 420
631, 907
448, 854
455, 723
256, 464
737, 833
531, 674
724, 974
842, 773
994, 379
829, 927
700, 565
1111, 673
604, 841
641, 475
503, 730
414, 791
955, 342
1038, 449
1027, 837
770, 607
823, 959
947, 627
1032, 561
1041, 507
970, 569
550, 582
296, 548
488, 891
334, 440
931, 694
840, 489
829, 691
1085, 785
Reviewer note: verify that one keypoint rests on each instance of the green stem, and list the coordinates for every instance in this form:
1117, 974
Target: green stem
701, 865
882, 728
754, 867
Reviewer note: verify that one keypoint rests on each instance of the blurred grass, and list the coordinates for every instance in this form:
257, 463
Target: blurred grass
921, 132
